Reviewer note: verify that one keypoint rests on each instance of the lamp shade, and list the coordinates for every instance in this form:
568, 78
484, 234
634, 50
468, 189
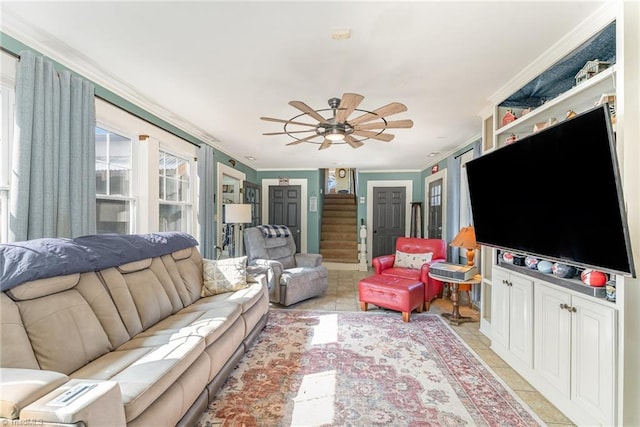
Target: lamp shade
466, 238
237, 213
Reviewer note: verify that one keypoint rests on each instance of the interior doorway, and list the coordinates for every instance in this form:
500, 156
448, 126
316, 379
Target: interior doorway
436, 202
229, 185
339, 181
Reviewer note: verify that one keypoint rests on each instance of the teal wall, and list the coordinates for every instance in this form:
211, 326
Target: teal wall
365, 177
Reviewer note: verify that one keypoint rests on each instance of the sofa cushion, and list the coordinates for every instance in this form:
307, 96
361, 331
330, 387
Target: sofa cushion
64, 331
43, 287
15, 351
224, 275
411, 260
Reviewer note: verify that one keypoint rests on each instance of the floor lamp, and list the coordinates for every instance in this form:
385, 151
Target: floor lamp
236, 214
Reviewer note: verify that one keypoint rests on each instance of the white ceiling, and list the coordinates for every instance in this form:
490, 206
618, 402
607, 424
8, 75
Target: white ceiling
214, 68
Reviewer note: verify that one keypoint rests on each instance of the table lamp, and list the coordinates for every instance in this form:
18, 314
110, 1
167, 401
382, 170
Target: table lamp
466, 238
236, 213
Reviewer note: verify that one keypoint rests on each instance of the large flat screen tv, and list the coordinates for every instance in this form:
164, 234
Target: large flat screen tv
555, 194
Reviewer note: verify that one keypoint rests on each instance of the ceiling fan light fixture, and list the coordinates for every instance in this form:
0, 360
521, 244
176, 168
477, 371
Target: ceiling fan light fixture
335, 135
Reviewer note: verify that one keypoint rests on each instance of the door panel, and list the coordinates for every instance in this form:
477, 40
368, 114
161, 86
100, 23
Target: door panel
284, 209
389, 211
435, 210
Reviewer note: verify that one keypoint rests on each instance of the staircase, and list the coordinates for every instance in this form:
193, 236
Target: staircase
339, 238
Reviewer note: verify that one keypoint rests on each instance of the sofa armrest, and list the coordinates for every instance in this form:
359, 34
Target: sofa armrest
20, 387
308, 260
98, 405
383, 262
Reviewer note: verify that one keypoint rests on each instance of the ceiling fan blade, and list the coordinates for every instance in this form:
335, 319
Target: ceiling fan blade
354, 143
387, 110
349, 102
325, 144
298, 141
269, 119
390, 125
286, 133
374, 135
308, 110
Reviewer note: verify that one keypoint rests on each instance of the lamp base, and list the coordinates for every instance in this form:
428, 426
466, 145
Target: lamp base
471, 253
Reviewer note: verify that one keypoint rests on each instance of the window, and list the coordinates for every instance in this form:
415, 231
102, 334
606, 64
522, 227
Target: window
6, 137
175, 193
114, 202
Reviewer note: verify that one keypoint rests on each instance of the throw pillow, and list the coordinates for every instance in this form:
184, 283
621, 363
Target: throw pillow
415, 261
224, 275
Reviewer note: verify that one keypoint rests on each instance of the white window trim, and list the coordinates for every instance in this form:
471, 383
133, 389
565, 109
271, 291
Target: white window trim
8, 103
183, 152
133, 191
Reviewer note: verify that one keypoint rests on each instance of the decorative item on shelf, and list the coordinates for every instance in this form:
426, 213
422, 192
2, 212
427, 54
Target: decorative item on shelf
590, 69
507, 257
511, 139
611, 289
508, 118
466, 238
570, 114
539, 126
531, 262
525, 111
594, 278
545, 266
565, 271
609, 98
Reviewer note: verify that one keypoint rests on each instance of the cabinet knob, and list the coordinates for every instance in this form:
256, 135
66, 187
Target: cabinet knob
564, 306
572, 309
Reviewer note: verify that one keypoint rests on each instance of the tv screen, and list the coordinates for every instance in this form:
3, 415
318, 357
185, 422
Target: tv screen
555, 194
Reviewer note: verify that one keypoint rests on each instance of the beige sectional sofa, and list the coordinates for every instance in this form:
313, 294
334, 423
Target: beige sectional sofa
136, 341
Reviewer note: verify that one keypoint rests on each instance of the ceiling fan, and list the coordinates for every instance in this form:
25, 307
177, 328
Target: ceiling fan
339, 129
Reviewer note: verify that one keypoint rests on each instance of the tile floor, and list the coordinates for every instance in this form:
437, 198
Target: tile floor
342, 295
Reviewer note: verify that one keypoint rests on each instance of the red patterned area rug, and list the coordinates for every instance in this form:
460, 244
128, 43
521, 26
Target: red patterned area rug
315, 368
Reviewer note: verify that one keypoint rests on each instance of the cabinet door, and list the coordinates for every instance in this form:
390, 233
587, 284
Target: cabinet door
593, 384
521, 318
500, 308
553, 337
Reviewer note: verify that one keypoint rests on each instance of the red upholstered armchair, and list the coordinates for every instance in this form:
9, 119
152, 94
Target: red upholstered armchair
411, 254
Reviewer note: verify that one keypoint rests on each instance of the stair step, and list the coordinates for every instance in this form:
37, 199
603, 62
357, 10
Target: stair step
338, 213
339, 255
338, 228
338, 244
340, 220
349, 236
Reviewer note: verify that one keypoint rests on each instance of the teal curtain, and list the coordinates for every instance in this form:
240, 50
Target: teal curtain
53, 169
207, 208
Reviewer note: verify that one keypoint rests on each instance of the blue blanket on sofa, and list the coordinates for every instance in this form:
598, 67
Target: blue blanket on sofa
22, 262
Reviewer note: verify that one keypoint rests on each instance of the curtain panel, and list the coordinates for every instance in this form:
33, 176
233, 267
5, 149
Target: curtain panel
53, 171
207, 209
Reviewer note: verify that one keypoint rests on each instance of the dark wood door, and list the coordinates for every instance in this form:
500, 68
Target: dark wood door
434, 228
389, 209
284, 209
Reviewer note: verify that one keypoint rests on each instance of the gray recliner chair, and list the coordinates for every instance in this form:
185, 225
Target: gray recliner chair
293, 277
